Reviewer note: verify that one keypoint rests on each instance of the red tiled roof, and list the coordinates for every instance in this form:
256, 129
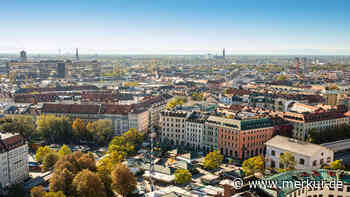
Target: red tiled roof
70, 108
12, 142
115, 109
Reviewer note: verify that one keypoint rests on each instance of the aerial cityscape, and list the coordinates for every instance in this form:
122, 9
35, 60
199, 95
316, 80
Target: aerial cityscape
175, 98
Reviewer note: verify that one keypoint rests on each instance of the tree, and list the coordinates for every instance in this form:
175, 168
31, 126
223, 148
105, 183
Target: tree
37, 191
55, 129
50, 160
281, 77
64, 150
213, 160
88, 184
105, 175
100, 130
62, 181
182, 176
131, 84
42, 152
55, 194
337, 165
288, 161
253, 165
133, 136
174, 102
86, 162
121, 145
123, 181
79, 129
197, 96
20, 124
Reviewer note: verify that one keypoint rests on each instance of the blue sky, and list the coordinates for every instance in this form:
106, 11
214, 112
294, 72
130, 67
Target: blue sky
176, 26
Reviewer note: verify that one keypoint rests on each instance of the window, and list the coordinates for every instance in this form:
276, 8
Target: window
302, 161
273, 164
314, 163
273, 153
348, 189
330, 195
340, 189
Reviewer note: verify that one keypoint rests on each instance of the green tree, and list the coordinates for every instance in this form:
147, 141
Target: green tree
253, 165
174, 102
281, 77
123, 180
121, 145
100, 130
337, 165
19, 124
64, 150
55, 129
182, 176
288, 161
88, 184
213, 160
133, 136
50, 160
42, 152
37, 191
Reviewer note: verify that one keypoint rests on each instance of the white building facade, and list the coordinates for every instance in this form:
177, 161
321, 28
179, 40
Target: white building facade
13, 159
307, 156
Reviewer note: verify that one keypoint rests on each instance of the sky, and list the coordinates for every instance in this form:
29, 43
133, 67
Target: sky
175, 26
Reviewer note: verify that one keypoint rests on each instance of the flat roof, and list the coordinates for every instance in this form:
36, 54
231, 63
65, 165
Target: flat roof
295, 146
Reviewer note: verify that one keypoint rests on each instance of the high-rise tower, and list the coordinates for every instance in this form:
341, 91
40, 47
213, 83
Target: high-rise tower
23, 56
77, 54
223, 53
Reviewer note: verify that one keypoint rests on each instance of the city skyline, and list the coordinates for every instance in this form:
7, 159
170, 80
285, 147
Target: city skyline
158, 27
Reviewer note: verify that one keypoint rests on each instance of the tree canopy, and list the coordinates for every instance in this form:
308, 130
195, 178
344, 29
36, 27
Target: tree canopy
123, 180
175, 101
337, 165
287, 160
182, 176
253, 165
88, 184
213, 160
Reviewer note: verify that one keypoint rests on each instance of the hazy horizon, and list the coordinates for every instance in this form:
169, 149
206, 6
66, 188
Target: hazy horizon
176, 27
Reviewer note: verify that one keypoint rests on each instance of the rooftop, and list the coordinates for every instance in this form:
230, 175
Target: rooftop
303, 175
295, 146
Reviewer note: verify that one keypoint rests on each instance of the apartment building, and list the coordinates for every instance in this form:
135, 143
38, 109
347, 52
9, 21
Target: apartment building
194, 129
123, 117
173, 127
236, 138
13, 159
318, 120
243, 138
307, 155
210, 135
